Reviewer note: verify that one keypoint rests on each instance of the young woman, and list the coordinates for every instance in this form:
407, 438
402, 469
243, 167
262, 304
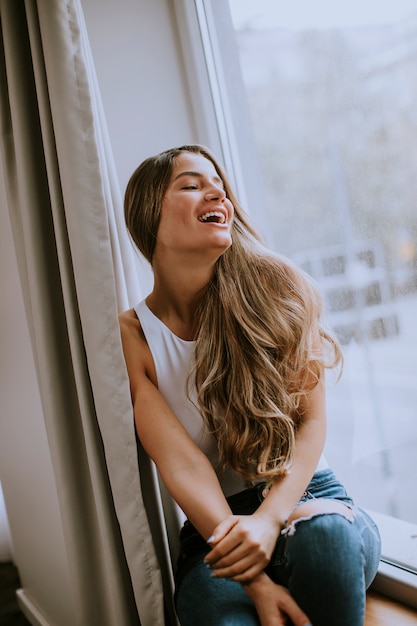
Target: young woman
226, 360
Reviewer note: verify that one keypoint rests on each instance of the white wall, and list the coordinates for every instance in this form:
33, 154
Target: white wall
137, 54
138, 60
6, 554
25, 462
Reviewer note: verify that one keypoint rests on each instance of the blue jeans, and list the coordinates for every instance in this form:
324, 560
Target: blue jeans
327, 562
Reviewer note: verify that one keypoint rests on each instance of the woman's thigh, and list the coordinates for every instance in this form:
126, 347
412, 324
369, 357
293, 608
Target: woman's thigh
204, 600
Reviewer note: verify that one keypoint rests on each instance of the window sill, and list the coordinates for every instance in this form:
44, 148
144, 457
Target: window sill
397, 572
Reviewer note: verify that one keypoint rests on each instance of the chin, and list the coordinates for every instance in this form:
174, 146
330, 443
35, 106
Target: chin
224, 246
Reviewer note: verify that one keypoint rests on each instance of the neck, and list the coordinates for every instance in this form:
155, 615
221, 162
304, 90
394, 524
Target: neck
176, 295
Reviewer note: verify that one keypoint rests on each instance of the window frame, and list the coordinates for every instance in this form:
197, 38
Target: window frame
206, 36
222, 122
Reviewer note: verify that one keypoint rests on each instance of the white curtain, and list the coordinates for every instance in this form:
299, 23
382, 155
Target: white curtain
77, 271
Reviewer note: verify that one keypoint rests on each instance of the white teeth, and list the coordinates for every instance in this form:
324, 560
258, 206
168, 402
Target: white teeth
207, 216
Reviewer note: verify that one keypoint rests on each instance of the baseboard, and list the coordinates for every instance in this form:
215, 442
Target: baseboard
30, 610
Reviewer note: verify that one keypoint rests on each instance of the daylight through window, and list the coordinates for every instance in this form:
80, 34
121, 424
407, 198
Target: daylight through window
332, 96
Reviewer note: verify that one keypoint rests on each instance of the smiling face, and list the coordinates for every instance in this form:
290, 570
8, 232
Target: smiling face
196, 215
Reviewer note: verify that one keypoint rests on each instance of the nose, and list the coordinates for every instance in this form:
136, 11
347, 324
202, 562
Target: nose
215, 192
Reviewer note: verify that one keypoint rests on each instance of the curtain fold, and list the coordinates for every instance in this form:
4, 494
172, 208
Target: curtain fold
76, 269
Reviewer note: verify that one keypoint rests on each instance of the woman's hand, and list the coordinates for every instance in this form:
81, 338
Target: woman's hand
242, 546
274, 603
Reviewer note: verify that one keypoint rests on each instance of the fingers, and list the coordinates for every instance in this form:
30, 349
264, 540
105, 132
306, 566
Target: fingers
223, 541
240, 564
222, 530
240, 571
278, 615
237, 552
278, 619
232, 541
267, 619
289, 606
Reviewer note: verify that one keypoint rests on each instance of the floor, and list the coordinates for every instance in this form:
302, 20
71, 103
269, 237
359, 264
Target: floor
9, 610
381, 611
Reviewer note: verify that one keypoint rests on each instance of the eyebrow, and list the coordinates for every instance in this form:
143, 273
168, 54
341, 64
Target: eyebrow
198, 174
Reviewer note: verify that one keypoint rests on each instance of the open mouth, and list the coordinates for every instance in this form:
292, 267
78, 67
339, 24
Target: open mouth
216, 217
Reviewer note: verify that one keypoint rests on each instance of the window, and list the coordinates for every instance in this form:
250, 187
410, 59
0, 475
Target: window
331, 93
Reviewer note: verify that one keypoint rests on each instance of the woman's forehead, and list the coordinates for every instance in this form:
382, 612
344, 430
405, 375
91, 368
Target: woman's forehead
193, 162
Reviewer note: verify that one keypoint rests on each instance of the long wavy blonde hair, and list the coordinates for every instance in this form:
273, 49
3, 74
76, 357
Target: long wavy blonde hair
254, 358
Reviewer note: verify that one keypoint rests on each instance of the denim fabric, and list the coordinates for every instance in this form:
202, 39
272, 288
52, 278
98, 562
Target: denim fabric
327, 563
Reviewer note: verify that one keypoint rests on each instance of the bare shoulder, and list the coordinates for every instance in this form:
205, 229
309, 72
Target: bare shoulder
129, 323
135, 347
131, 329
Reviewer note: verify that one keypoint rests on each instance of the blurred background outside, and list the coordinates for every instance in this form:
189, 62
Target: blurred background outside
332, 93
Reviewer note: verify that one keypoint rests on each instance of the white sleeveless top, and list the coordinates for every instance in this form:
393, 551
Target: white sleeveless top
173, 358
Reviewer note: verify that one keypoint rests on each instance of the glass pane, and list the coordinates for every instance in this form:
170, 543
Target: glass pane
332, 92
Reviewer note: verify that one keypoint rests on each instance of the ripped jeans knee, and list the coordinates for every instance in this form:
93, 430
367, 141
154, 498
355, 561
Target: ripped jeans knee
308, 509
327, 554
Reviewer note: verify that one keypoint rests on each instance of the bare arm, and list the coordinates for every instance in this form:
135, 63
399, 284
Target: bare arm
287, 491
184, 468
242, 550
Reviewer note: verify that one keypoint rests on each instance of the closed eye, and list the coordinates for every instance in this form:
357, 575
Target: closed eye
190, 187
